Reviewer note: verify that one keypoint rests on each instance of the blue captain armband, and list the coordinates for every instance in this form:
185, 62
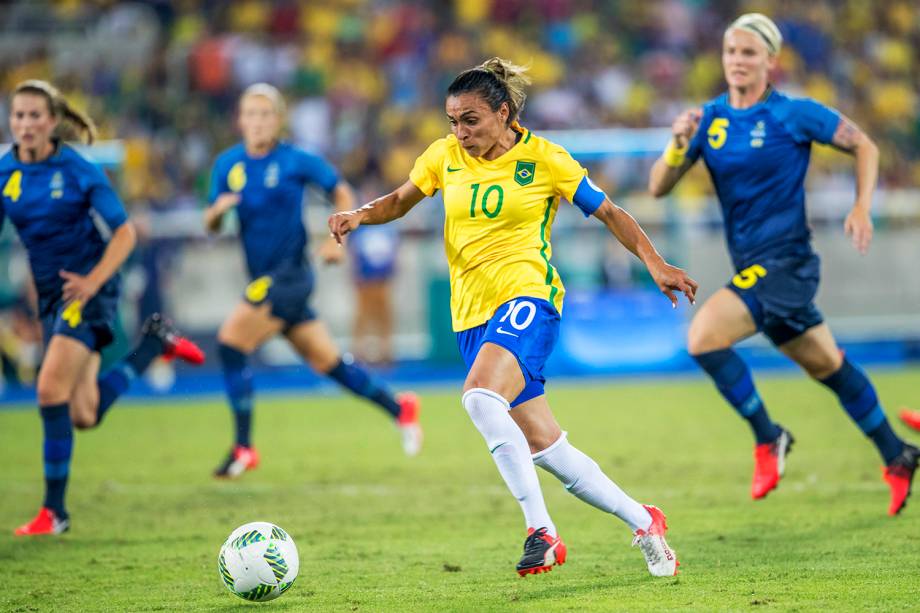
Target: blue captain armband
588, 197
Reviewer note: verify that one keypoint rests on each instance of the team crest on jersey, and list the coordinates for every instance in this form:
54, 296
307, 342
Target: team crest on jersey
524, 172
236, 178
57, 185
758, 134
271, 175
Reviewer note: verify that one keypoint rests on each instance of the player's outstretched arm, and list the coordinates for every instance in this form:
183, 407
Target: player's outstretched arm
673, 163
214, 214
627, 230
850, 138
84, 287
380, 211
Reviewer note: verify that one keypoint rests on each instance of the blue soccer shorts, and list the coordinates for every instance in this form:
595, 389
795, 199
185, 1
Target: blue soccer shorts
780, 294
288, 293
529, 329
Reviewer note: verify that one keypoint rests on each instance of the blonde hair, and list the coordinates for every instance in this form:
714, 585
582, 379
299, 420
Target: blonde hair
763, 27
498, 81
70, 118
267, 91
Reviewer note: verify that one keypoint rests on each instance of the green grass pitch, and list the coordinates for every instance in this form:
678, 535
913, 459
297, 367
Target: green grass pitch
381, 532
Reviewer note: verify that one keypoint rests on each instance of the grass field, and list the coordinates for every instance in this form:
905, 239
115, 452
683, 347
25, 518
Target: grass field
381, 532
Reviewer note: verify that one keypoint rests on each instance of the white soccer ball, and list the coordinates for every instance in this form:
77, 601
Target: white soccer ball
258, 561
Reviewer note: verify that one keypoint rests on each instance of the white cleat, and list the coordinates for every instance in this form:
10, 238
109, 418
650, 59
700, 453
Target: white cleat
410, 430
660, 558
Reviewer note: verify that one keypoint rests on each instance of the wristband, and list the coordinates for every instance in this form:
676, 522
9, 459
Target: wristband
673, 155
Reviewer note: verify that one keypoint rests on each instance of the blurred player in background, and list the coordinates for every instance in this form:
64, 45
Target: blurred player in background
53, 195
502, 186
264, 179
756, 143
373, 250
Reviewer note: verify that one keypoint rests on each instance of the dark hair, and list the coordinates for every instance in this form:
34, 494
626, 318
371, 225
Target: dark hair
59, 107
497, 81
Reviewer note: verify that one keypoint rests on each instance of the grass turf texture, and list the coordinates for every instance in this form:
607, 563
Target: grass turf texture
378, 531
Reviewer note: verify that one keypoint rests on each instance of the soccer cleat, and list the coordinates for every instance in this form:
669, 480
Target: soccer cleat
408, 422
46, 522
770, 464
911, 418
174, 344
661, 559
541, 553
239, 460
899, 475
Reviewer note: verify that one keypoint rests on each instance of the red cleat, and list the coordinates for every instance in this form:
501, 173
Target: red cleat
899, 475
541, 553
408, 421
174, 344
46, 522
911, 418
770, 464
239, 460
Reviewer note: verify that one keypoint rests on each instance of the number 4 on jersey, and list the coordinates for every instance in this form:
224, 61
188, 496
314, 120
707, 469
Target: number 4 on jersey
13, 187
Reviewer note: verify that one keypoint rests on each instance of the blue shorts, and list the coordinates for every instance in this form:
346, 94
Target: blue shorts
780, 295
528, 328
374, 250
92, 324
288, 293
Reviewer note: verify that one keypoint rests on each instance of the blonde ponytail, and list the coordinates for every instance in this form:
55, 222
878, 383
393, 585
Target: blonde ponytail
72, 121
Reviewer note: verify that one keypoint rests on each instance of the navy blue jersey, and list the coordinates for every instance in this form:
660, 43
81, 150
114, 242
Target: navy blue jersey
54, 205
271, 190
758, 158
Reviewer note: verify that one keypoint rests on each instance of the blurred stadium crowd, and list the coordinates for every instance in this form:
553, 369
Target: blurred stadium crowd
365, 78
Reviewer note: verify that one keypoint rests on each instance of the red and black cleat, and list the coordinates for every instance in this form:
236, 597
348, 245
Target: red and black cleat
239, 460
770, 464
899, 475
911, 418
541, 553
174, 344
46, 522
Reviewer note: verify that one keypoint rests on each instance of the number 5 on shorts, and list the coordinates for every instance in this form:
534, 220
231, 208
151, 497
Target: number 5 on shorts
514, 314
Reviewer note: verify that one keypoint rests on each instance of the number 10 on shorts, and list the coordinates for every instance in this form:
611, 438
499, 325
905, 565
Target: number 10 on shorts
520, 314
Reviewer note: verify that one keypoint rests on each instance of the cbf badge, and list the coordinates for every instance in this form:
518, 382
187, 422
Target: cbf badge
523, 174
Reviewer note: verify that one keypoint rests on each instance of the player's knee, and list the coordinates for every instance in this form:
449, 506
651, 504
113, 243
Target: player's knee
51, 392
702, 339
323, 363
541, 440
820, 367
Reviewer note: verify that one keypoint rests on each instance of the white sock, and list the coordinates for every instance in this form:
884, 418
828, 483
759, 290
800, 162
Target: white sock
584, 478
511, 453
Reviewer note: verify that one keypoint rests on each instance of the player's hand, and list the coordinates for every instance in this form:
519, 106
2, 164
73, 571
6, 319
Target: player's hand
340, 224
77, 287
670, 279
685, 126
227, 201
858, 226
330, 252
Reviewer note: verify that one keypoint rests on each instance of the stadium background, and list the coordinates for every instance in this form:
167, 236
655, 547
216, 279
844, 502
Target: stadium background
365, 82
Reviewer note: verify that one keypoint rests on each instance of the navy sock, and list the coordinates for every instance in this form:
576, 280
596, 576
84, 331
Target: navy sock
112, 385
238, 384
734, 381
857, 395
146, 351
363, 384
56, 452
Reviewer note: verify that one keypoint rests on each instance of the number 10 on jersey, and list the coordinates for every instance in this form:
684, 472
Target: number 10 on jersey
497, 200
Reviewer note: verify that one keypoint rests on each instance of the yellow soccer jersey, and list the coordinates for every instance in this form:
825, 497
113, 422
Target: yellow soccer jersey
498, 219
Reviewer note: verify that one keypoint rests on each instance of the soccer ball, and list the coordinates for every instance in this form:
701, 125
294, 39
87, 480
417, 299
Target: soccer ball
258, 561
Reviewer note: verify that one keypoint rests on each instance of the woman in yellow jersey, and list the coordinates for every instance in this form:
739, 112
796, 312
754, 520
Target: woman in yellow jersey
502, 186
